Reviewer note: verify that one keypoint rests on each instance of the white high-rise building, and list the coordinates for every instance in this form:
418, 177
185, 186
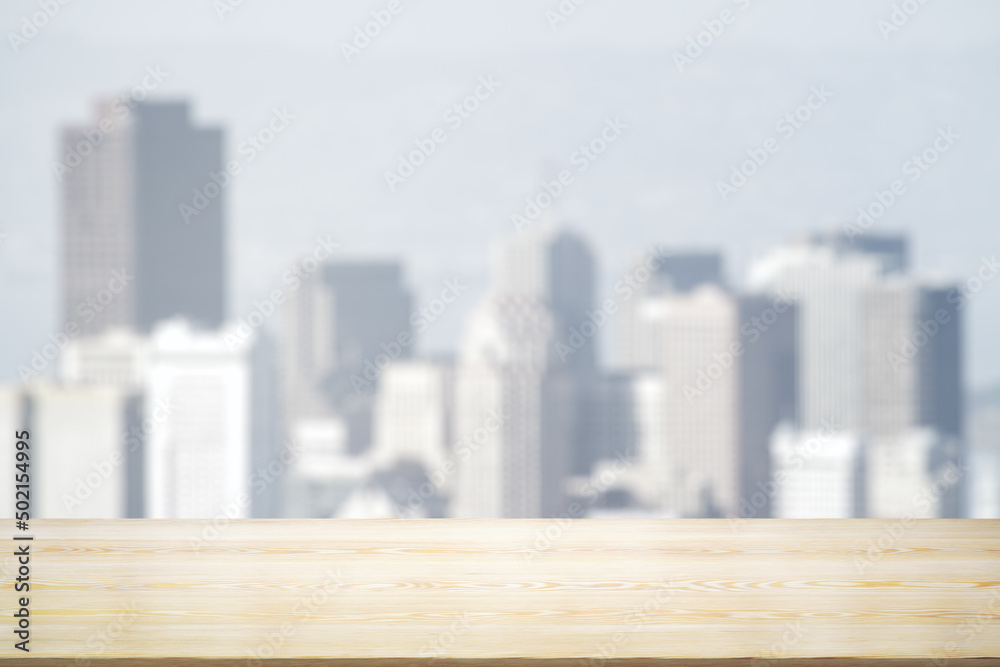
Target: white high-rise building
510, 416
81, 461
92, 422
911, 402
728, 368
121, 359
412, 419
700, 422
826, 283
817, 474
84, 456
880, 355
719, 407
655, 274
910, 359
198, 462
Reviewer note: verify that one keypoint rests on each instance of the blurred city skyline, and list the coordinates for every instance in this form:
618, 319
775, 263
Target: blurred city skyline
569, 259
324, 176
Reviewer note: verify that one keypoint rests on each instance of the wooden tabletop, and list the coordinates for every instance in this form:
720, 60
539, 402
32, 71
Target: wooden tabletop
561, 592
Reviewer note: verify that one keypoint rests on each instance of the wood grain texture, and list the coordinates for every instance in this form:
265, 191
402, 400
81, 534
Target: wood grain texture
610, 592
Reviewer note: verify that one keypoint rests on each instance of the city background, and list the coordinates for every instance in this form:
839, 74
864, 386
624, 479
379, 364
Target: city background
568, 259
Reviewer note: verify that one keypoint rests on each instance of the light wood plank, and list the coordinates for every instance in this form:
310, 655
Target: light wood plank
389, 592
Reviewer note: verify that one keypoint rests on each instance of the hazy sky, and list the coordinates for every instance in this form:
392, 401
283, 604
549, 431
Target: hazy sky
324, 174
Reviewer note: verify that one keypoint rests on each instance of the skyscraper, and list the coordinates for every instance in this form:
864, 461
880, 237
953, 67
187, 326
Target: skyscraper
728, 367
343, 328
555, 267
180, 265
84, 454
130, 257
198, 462
571, 291
700, 415
511, 416
910, 359
911, 399
880, 357
826, 282
641, 314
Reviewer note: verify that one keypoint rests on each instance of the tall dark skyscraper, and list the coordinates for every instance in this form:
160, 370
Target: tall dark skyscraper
571, 290
370, 308
574, 386
180, 264
131, 256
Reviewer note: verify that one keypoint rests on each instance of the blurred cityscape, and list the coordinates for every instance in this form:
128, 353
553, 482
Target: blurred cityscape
825, 382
